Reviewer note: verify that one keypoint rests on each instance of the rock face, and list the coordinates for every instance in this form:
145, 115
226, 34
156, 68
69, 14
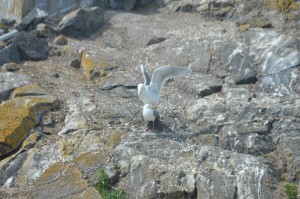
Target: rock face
230, 129
10, 81
21, 115
82, 22
30, 47
9, 54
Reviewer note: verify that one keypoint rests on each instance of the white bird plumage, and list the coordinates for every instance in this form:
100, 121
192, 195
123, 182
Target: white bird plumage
149, 92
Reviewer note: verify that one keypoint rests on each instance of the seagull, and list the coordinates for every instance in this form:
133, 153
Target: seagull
150, 115
149, 91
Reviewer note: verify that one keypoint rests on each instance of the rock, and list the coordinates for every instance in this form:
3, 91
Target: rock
60, 40
122, 4
34, 17
286, 133
82, 22
247, 138
122, 91
22, 114
28, 90
281, 84
278, 59
8, 22
2, 32
237, 62
45, 31
30, 47
95, 67
52, 183
207, 86
84, 4
2, 45
75, 63
10, 169
10, 81
9, 54
155, 40
201, 63
11, 67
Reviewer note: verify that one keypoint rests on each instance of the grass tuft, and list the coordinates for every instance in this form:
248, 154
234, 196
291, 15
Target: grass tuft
106, 190
290, 190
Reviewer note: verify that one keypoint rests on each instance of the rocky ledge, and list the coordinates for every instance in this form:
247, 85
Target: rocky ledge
231, 129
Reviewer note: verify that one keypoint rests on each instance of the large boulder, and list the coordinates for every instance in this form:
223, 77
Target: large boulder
31, 47
9, 54
21, 115
10, 81
82, 22
34, 17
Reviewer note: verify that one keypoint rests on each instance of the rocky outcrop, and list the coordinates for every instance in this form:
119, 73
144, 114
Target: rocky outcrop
227, 130
82, 22
10, 81
21, 115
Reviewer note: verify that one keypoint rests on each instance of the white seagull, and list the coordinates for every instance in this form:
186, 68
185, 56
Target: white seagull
149, 92
150, 114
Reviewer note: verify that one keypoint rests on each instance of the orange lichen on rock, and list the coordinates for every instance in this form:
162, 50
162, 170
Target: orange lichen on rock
87, 64
19, 116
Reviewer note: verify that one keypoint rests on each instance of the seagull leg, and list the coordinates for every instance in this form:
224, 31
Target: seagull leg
153, 128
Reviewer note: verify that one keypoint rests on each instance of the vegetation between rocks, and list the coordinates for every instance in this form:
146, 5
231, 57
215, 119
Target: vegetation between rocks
291, 190
106, 190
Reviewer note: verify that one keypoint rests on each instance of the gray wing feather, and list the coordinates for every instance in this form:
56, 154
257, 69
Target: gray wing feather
146, 76
162, 74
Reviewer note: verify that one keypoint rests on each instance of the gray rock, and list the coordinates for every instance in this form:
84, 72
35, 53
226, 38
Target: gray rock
206, 85
201, 63
281, 84
122, 91
45, 31
246, 138
9, 54
10, 81
237, 62
30, 47
34, 17
11, 67
2, 32
11, 168
82, 22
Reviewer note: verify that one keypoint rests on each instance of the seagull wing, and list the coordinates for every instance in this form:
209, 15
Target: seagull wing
162, 74
146, 75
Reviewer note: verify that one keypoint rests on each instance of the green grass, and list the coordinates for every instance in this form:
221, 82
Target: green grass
281, 178
290, 190
106, 190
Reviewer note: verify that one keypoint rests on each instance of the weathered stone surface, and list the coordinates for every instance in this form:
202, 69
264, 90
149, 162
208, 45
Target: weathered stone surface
207, 86
34, 17
22, 114
239, 142
281, 84
60, 40
30, 47
45, 31
11, 67
9, 54
237, 62
53, 183
82, 22
10, 81
122, 91
28, 90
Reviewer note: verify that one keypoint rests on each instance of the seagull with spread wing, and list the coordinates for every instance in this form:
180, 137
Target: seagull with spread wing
149, 92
